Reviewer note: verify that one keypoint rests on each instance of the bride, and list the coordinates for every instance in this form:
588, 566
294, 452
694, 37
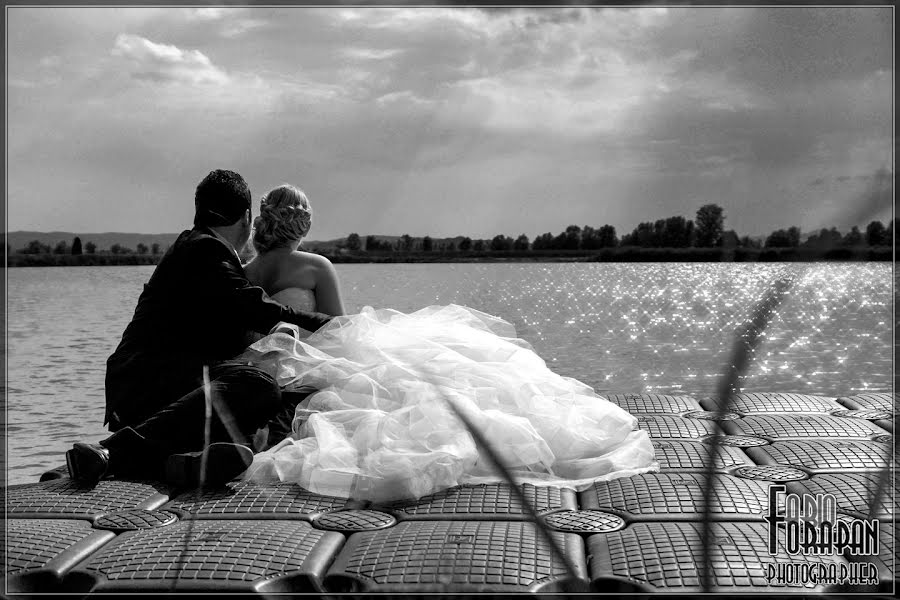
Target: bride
381, 427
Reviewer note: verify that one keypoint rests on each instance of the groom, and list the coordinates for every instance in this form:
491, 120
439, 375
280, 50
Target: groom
192, 318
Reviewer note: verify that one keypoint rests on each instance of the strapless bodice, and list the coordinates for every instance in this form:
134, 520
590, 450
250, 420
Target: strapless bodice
296, 298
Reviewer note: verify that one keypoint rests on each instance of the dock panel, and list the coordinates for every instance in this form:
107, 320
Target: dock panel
688, 455
763, 403
823, 456
212, 556
68, 499
668, 557
251, 500
468, 556
39, 552
775, 427
482, 502
853, 492
638, 404
677, 496
676, 426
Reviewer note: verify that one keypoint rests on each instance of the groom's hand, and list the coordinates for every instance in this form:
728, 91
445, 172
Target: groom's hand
312, 321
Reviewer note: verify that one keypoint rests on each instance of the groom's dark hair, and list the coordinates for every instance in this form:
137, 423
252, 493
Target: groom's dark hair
221, 199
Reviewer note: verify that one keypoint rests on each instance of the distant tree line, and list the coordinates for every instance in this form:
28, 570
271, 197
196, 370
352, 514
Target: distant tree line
76, 248
673, 238
706, 230
37, 254
876, 235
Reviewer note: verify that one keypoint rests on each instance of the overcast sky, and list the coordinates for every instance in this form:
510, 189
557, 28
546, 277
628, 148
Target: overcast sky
446, 121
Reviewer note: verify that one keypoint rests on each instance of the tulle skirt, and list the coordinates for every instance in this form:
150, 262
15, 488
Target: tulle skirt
382, 426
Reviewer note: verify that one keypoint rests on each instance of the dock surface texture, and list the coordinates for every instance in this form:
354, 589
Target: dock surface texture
658, 532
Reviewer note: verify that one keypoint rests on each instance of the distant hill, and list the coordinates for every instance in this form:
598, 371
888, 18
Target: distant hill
330, 246
19, 239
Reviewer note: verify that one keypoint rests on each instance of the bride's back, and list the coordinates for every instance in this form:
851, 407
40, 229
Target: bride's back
279, 270
286, 269
284, 219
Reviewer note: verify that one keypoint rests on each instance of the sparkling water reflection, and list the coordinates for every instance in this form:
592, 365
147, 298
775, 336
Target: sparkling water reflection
658, 327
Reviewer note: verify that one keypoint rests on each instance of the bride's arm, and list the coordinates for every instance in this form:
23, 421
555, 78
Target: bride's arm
328, 290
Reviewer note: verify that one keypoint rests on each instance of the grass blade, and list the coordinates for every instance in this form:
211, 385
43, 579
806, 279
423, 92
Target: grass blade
747, 339
574, 581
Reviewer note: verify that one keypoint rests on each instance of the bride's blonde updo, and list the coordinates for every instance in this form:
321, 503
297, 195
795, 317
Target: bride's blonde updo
284, 217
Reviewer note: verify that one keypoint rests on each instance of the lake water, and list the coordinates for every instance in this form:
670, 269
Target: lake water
619, 327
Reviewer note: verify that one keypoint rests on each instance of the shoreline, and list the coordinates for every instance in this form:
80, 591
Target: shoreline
619, 254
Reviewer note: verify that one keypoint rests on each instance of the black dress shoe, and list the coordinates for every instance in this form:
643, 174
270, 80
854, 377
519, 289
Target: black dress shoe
224, 461
87, 463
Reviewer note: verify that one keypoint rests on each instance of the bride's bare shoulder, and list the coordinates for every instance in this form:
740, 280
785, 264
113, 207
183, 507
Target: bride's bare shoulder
310, 259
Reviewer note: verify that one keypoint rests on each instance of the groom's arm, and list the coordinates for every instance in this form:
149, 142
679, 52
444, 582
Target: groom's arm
244, 303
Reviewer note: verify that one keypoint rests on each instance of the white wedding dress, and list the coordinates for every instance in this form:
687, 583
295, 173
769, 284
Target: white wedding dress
381, 427
299, 298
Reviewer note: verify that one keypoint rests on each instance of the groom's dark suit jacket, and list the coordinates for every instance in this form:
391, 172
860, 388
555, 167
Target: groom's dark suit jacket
197, 309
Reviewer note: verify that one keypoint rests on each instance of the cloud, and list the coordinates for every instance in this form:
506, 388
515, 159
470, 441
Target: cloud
232, 21
875, 198
776, 49
239, 27
45, 73
25, 84
208, 13
406, 100
50, 62
562, 72
411, 20
650, 112
164, 62
366, 54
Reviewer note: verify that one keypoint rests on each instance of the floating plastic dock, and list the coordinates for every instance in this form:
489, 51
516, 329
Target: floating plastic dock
647, 533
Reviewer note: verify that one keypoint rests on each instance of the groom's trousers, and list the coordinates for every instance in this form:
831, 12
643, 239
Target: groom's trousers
241, 399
